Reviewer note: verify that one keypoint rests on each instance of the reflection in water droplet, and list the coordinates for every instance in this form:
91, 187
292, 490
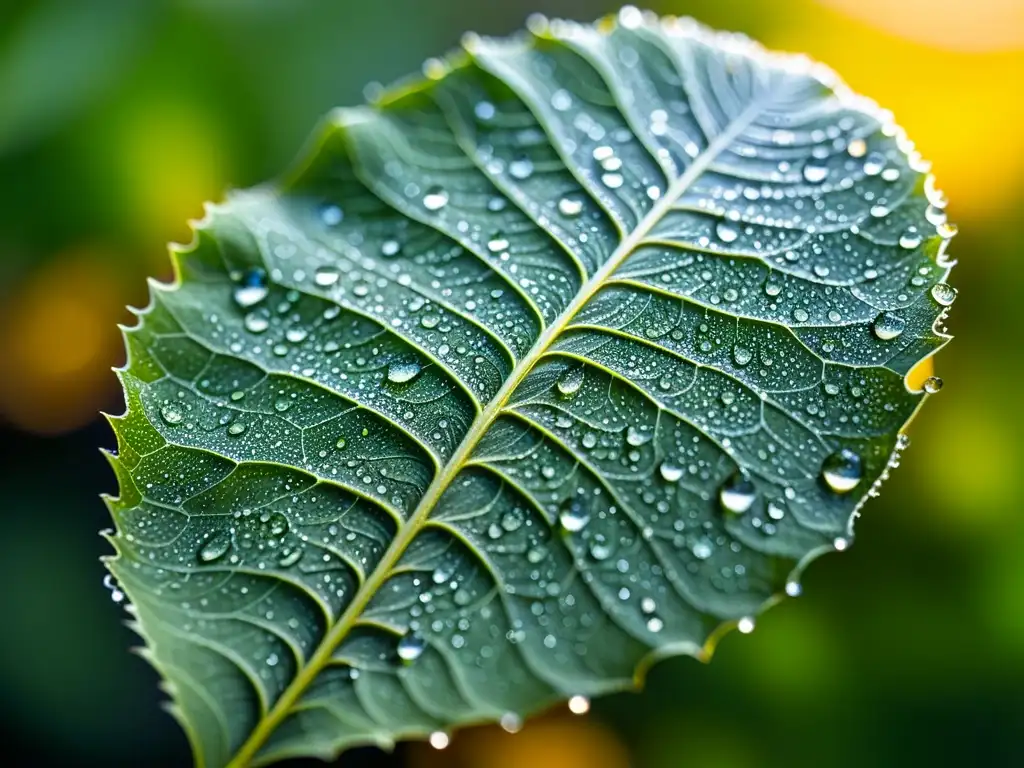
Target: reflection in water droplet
215, 548
932, 384
402, 373
435, 199
251, 289
944, 294
411, 647
842, 471
888, 326
737, 494
573, 515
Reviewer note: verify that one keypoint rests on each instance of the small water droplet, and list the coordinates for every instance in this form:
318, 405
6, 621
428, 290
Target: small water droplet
857, 148
932, 384
815, 174
251, 289
236, 429
725, 232
888, 326
497, 244
944, 294
745, 625
910, 240
439, 740
402, 373
331, 215
215, 548
741, 355
326, 276
738, 493
874, 163
288, 559
521, 168
842, 470
793, 589
511, 722
573, 515
670, 472
256, 322
435, 199
410, 647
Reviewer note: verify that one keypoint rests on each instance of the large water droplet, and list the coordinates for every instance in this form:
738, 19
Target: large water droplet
411, 647
944, 294
932, 384
171, 414
573, 515
215, 548
670, 472
251, 289
435, 199
570, 382
738, 493
402, 373
842, 471
888, 326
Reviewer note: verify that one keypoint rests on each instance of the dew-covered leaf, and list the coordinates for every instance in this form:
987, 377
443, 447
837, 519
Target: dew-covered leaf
564, 359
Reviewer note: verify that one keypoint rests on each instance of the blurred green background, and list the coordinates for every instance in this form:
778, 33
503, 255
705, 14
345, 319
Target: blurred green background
117, 119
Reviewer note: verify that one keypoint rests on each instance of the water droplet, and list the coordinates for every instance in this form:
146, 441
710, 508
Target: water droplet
579, 705
841, 544
288, 559
573, 515
567, 206
171, 415
741, 355
497, 244
340, 444
842, 471
888, 326
793, 589
484, 110
326, 276
857, 148
932, 384
411, 647
738, 493
439, 740
511, 722
800, 315
251, 289
654, 624
236, 429
256, 322
815, 174
215, 548
331, 215
726, 233
910, 240
745, 625
944, 294
521, 168
612, 180
390, 248
947, 230
402, 373
570, 382
670, 472
874, 163
435, 199
636, 437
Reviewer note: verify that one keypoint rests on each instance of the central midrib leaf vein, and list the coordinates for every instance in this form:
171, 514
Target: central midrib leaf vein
407, 532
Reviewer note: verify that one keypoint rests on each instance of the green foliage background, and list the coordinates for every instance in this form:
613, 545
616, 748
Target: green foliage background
118, 118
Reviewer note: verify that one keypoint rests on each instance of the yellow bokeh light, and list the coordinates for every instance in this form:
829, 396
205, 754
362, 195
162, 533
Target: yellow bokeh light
58, 339
550, 742
955, 104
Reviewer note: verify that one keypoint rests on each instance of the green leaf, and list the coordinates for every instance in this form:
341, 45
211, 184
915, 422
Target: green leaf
561, 361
